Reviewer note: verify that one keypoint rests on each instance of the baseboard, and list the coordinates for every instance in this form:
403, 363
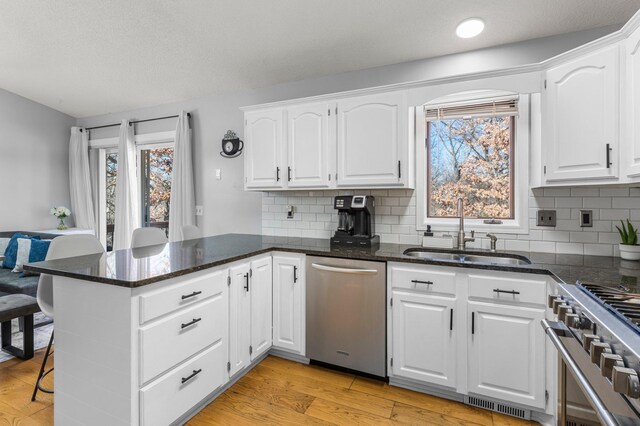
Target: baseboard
281, 353
209, 399
434, 390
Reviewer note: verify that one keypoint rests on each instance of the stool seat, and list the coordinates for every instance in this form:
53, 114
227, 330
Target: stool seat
18, 306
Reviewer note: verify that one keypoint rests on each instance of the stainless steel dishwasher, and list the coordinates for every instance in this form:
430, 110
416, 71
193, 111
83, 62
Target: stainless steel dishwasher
346, 313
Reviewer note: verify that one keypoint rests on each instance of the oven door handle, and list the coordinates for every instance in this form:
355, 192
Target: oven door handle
552, 329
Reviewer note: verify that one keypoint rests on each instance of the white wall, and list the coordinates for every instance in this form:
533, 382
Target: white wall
34, 168
227, 208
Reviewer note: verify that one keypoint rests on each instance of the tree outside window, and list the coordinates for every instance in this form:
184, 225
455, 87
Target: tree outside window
472, 159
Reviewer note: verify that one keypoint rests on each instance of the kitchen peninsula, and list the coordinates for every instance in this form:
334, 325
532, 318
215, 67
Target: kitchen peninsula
150, 335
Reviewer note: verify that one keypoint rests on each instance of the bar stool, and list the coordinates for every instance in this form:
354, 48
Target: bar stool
61, 247
143, 237
190, 232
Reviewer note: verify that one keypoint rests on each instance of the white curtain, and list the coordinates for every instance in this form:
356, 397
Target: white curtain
80, 180
127, 217
182, 203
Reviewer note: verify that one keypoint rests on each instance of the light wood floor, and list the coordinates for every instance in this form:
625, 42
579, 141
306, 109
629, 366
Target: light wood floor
275, 392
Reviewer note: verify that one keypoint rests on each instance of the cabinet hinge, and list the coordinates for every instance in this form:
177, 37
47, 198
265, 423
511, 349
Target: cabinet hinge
545, 84
250, 349
228, 366
329, 177
228, 280
329, 112
544, 170
336, 177
546, 396
336, 110
392, 302
392, 362
250, 272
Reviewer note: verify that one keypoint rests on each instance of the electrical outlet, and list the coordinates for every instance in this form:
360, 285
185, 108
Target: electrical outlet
546, 218
586, 218
199, 210
289, 212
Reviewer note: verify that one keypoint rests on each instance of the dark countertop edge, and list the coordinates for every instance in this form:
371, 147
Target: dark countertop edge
527, 269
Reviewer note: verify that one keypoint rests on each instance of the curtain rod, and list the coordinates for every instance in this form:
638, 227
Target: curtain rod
137, 121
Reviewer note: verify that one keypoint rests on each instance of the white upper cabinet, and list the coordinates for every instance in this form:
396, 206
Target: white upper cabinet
264, 149
372, 140
581, 125
310, 146
632, 90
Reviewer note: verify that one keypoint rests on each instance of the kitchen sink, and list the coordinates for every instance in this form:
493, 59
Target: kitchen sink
461, 257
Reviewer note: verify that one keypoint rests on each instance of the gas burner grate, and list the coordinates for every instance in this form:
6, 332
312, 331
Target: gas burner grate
624, 304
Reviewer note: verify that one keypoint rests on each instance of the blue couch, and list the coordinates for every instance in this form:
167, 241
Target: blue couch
12, 282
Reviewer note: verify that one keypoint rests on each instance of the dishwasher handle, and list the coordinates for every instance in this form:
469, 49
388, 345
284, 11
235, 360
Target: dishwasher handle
357, 271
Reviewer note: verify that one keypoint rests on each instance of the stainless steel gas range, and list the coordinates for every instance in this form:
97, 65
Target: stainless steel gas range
597, 335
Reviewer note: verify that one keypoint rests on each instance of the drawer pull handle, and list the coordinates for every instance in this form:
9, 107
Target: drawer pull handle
194, 294
497, 290
422, 282
195, 320
191, 376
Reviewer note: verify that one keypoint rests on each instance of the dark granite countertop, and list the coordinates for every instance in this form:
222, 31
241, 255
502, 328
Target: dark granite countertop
138, 267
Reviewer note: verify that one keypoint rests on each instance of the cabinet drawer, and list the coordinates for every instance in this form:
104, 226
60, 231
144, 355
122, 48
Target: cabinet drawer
166, 399
179, 336
177, 296
507, 289
423, 279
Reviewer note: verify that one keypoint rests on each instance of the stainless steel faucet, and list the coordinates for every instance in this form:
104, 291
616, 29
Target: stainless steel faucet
494, 239
462, 240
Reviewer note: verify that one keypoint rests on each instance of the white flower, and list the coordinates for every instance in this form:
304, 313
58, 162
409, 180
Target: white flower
60, 212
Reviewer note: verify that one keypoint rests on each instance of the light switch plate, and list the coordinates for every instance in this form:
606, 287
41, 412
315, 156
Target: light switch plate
546, 218
218, 174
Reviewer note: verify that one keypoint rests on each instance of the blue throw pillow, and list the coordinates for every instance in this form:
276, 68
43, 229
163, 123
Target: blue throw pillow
11, 253
39, 249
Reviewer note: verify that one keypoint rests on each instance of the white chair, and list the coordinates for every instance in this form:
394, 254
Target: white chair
61, 247
143, 237
190, 232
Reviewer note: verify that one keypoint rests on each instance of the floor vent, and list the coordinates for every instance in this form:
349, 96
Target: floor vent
498, 407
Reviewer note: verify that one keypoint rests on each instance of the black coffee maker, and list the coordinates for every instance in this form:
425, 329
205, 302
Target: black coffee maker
356, 223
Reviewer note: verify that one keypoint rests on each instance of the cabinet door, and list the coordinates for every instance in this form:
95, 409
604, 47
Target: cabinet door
310, 146
633, 102
288, 303
506, 353
372, 140
261, 306
264, 149
582, 118
239, 318
424, 338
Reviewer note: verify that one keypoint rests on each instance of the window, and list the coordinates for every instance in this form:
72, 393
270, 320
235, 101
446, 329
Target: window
476, 150
155, 167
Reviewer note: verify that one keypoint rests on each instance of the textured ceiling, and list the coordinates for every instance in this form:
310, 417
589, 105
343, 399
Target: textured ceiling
89, 57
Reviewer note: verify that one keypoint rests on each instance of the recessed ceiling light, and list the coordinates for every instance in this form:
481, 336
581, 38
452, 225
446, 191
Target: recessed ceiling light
470, 28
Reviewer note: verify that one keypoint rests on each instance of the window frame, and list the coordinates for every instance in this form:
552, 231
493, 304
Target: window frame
520, 147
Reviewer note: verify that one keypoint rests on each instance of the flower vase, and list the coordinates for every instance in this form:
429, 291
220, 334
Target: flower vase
61, 225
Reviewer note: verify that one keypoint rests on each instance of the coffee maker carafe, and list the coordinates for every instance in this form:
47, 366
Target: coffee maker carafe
356, 221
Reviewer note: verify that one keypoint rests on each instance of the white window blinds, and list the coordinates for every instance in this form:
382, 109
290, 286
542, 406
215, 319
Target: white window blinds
479, 108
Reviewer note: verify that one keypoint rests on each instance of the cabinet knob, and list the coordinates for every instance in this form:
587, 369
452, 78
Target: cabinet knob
572, 320
556, 305
598, 348
607, 362
625, 381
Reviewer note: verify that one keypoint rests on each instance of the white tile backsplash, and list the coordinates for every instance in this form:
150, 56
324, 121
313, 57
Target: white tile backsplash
396, 218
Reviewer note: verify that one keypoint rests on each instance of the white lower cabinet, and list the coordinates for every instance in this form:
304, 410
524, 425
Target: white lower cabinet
250, 312
289, 302
168, 398
424, 344
261, 306
499, 352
